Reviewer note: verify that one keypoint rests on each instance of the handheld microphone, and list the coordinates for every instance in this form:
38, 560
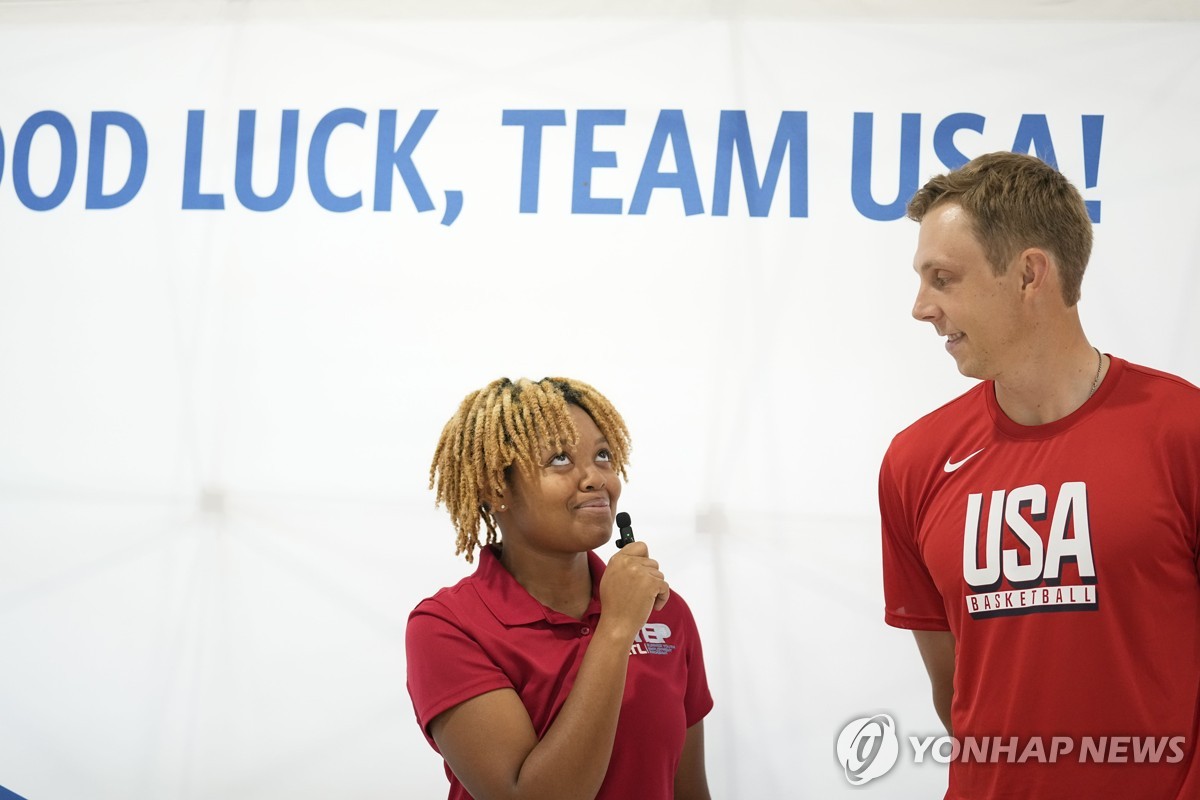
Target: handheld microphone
626, 531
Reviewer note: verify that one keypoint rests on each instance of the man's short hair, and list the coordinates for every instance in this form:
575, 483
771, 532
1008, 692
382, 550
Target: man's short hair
1016, 201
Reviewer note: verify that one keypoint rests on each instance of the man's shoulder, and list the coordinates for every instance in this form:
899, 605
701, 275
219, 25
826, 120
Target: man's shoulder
1161, 381
945, 423
1167, 402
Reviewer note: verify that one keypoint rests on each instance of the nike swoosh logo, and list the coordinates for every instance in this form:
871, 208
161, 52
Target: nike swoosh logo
951, 466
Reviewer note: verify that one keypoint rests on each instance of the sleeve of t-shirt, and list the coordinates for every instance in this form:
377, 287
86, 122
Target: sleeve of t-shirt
446, 665
911, 598
697, 700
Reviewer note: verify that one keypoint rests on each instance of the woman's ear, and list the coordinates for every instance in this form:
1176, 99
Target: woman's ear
493, 502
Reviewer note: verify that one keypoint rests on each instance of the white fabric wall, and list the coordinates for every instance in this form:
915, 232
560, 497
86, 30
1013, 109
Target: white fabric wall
215, 425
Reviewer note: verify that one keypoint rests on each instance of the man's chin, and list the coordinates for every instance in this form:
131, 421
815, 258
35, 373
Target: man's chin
968, 370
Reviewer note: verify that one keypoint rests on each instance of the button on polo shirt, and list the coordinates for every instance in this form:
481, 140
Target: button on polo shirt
487, 633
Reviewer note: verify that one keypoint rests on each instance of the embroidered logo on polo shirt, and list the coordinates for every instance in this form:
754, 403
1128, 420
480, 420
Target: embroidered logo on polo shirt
652, 640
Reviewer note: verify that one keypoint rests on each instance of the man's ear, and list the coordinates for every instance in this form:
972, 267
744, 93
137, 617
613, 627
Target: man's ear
1036, 267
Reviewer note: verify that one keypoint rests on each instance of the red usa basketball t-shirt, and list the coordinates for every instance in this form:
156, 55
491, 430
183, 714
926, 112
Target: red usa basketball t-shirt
1063, 558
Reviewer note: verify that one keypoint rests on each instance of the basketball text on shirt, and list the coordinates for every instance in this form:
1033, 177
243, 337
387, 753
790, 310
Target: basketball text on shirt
1012, 567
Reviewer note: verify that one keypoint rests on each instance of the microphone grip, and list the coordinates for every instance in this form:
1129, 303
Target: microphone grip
626, 529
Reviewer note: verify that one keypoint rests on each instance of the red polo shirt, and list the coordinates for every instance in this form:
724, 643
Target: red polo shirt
486, 633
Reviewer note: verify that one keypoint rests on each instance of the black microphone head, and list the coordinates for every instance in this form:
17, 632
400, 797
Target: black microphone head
622, 519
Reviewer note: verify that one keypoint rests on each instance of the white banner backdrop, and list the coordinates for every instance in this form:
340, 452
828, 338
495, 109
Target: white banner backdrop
253, 254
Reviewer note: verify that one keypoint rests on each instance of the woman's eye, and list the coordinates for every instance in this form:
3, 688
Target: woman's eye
559, 460
604, 455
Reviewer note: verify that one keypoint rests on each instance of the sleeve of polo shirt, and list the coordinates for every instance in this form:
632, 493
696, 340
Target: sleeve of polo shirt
911, 598
697, 700
446, 665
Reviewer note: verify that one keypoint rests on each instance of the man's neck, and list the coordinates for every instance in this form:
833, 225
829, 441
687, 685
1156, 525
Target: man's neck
1051, 384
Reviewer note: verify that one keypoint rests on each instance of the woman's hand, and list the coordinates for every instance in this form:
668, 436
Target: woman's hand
631, 588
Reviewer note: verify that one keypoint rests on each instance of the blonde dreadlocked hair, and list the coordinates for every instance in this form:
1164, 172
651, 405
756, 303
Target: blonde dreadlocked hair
505, 423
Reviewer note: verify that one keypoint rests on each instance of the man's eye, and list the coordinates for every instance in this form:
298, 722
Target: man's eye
559, 460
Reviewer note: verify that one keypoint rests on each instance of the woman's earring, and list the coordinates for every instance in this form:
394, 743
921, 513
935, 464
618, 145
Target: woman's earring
503, 507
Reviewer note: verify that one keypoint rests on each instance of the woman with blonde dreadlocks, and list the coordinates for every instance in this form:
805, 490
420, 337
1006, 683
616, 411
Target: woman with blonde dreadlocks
546, 673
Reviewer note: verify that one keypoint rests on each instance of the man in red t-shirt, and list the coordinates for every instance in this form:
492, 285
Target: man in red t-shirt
1040, 532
